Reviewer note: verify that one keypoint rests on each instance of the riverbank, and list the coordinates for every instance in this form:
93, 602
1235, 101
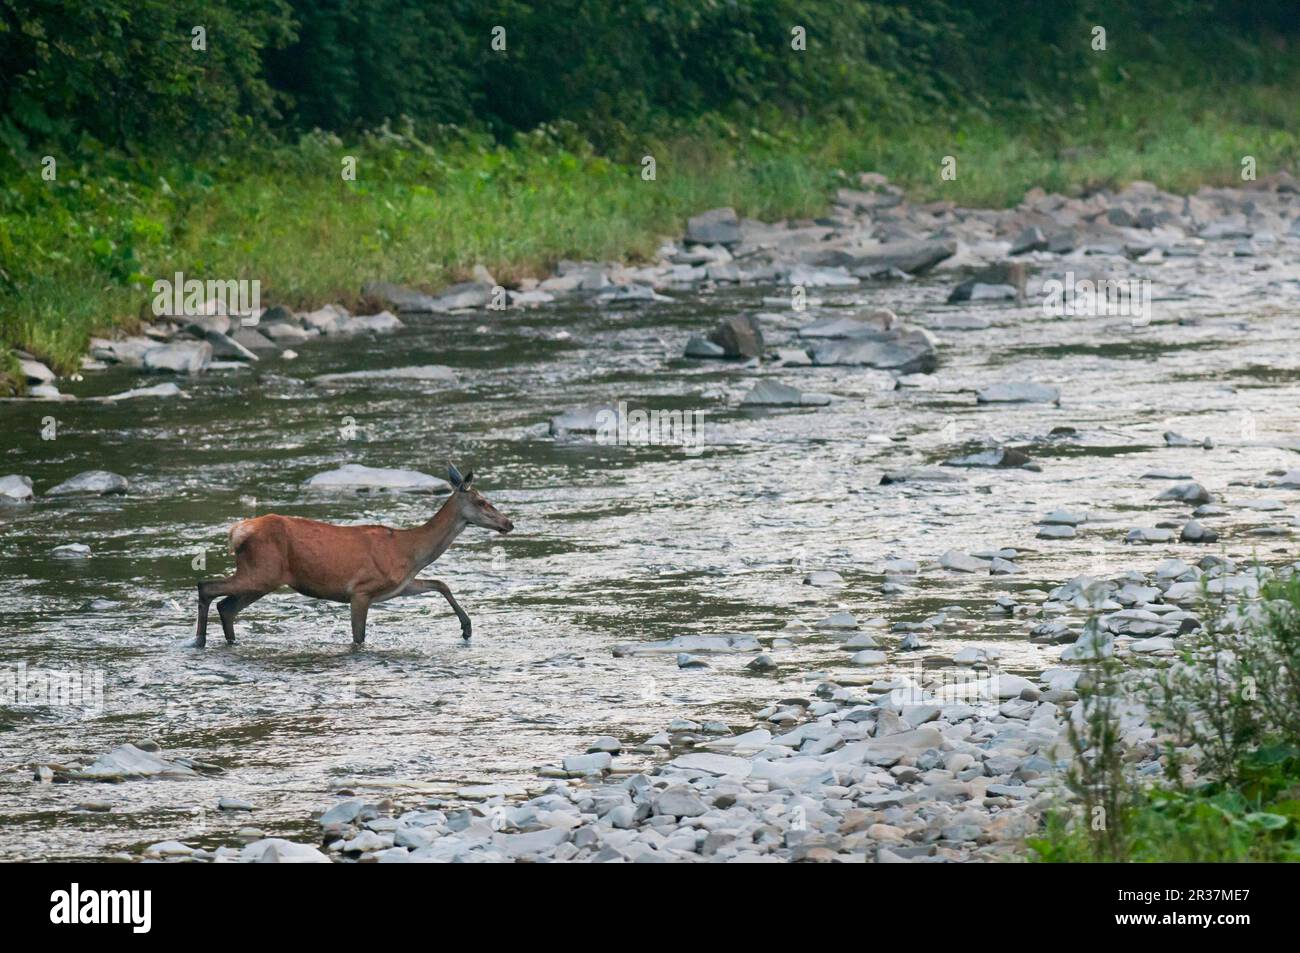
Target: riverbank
80, 252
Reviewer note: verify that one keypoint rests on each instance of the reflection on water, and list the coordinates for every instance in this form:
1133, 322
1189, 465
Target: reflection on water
612, 544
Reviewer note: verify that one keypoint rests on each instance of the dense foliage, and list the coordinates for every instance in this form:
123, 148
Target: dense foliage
206, 135
126, 72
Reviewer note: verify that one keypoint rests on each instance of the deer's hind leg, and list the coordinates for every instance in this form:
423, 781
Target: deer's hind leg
258, 570
231, 606
208, 591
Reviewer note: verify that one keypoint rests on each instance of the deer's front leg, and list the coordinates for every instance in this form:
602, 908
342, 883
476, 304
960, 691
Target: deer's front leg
418, 586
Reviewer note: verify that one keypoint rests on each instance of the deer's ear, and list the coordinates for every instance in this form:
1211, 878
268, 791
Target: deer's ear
469, 478
453, 475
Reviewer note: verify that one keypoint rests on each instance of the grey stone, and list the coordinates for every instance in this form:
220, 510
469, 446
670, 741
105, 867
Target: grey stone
1194, 532
1019, 392
691, 644
702, 349
962, 562
718, 226
1031, 239
424, 372
770, 393
594, 763
912, 257
739, 336
16, 488
253, 340
94, 482
904, 351
680, 801
179, 357
382, 323
35, 372
167, 389
356, 478
998, 457
1186, 492
398, 298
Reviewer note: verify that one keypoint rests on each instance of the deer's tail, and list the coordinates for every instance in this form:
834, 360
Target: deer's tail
239, 533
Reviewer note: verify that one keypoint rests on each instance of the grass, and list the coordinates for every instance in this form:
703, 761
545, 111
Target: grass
77, 255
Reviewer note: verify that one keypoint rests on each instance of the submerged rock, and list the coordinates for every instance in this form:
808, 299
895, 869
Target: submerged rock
823, 577
904, 351
583, 420
127, 762
1019, 392
382, 323
769, 393
692, 645
167, 389
1186, 492
96, 482
1173, 439
920, 475
423, 372
1000, 457
703, 349
356, 478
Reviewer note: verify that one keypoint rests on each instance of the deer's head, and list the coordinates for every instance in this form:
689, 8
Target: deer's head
472, 506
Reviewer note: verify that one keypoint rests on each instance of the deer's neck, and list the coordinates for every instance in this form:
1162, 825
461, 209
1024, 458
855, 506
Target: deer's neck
431, 540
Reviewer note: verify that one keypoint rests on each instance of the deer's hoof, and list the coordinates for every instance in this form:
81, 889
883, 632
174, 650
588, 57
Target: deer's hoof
196, 644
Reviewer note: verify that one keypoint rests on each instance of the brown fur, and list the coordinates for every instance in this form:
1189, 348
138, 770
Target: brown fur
359, 565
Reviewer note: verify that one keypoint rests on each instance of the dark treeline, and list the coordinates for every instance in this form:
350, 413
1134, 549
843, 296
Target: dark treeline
125, 73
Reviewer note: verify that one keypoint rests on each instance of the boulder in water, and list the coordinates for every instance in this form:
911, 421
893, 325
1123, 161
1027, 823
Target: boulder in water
739, 336
16, 489
96, 482
355, 478
179, 357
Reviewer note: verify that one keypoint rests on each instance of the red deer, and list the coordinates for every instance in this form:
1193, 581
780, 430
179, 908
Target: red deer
359, 565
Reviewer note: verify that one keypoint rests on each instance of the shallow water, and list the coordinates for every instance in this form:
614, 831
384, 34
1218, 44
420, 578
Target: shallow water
612, 544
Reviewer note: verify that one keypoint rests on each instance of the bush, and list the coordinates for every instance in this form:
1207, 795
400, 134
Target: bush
1229, 711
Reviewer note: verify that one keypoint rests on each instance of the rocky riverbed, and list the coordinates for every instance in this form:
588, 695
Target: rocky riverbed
839, 617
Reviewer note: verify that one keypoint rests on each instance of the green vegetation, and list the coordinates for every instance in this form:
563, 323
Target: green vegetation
226, 162
1234, 698
1256, 819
